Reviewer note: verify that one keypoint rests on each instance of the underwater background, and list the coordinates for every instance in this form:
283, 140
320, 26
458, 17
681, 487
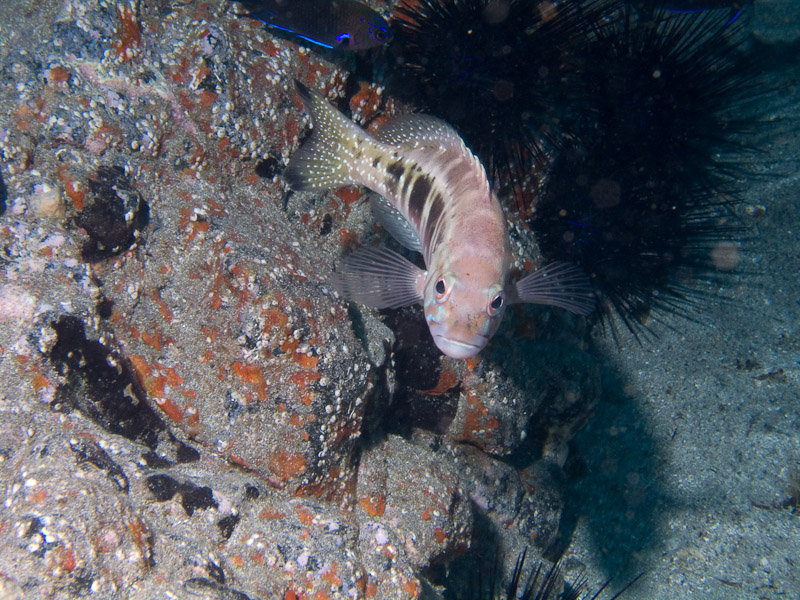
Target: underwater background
187, 411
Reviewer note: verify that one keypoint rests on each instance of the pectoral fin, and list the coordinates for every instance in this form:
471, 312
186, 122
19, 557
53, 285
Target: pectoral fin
379, 278
557, 284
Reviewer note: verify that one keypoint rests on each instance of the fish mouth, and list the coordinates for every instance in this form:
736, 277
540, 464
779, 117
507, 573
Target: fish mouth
457, 348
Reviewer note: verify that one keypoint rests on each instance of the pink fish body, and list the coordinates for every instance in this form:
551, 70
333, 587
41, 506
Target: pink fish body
435, 199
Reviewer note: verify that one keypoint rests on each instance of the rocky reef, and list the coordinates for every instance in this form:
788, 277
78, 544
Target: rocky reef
186, 409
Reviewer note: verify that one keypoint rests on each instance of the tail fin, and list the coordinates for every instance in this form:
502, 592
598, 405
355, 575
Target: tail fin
321, 162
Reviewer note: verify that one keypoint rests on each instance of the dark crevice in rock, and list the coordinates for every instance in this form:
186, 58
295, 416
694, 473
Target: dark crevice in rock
215, 571
102, 385
186, 454
193, 497
89, 451
227, 525
418, 366
3, 196
114, 214
155, 461
104, 308
268, 167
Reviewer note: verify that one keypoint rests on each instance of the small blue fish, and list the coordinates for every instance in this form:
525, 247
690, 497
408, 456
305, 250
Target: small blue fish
686, 6
332, 24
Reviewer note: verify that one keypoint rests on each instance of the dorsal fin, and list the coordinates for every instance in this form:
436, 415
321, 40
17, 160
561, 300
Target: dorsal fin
420, 131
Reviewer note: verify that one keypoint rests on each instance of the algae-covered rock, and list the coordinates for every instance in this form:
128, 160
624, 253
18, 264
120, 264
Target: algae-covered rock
187, 409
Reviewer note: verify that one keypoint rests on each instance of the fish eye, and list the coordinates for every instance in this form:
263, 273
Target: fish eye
443, 287
496, 304
379, 33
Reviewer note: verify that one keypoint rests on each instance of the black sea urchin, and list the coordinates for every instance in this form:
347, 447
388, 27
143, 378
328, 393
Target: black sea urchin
622, 114
503, 72
542, 583
641, 198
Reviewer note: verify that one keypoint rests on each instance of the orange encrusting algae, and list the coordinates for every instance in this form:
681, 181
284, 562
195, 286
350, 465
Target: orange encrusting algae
155, 379
253, 376
129, 34
287, 465
476, 423
374, 506
448, 379
75, 190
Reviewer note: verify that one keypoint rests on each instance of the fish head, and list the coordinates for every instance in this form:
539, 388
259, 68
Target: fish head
379, 31
363, 28
464, 303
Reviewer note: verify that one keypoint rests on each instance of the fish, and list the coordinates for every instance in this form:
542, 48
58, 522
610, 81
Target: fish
331, 24
433, 197
688, 6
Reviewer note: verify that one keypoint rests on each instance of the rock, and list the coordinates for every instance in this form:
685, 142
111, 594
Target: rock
526, 503
186, 408
45, 201
113, 214
412, 513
